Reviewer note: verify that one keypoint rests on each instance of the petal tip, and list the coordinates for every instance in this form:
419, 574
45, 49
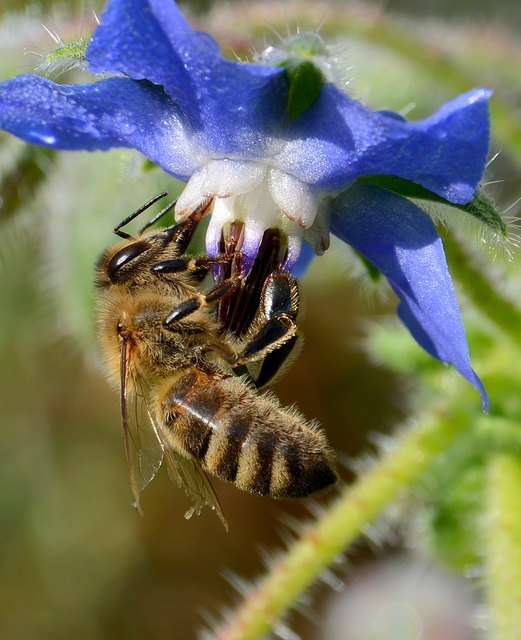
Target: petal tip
485, 404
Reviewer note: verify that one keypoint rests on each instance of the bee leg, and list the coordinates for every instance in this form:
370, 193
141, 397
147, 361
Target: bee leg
212, 296
277, 332
180, 235
280, 295
187, 264
276, 360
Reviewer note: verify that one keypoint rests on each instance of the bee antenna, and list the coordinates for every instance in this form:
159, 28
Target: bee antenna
136, 213
159, 215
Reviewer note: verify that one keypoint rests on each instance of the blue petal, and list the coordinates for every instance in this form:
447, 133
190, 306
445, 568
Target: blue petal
401, 240
117, 112
152, 41
233, 106
339, 139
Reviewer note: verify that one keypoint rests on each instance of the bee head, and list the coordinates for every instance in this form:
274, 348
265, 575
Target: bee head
126, 260
121, 264
130, 262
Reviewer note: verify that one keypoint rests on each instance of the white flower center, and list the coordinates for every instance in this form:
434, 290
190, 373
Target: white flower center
258, 195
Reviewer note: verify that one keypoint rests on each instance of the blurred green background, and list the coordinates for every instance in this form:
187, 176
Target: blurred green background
76, 561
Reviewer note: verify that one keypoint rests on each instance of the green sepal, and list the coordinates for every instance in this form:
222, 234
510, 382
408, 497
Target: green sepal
69, 51
65, 58
148, 165
481, 206
305, 84
373, 272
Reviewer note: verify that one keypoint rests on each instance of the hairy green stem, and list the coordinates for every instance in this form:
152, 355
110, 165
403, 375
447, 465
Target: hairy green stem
503, 545
339, 526
481, 289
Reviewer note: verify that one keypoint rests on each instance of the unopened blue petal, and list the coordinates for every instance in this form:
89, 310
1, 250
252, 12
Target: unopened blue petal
117, 112
231, 107
402, 242
339, 139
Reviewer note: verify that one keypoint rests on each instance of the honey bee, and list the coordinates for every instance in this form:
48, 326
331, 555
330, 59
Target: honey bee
163, 342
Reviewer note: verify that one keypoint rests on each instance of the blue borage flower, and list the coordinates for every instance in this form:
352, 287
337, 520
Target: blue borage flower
226, 129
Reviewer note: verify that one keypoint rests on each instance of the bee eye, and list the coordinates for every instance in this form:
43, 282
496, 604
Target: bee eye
125, 256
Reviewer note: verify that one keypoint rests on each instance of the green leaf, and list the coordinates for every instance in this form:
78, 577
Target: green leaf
305, 84
481, 206
21, 180
453, 536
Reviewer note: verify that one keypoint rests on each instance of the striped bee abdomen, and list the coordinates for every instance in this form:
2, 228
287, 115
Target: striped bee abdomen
244, 437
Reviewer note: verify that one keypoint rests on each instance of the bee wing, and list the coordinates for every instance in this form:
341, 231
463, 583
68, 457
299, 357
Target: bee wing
143, 448
189, 476
148, 448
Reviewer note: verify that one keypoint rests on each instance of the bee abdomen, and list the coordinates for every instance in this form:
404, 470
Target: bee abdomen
244, 437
